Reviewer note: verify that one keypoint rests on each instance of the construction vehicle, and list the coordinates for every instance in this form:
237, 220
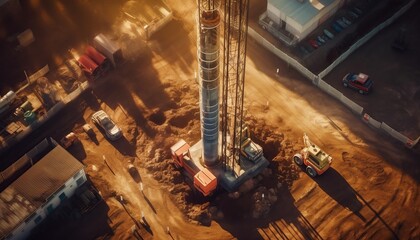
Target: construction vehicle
109, 49
221, 103
315, 160
203, 180
249, 149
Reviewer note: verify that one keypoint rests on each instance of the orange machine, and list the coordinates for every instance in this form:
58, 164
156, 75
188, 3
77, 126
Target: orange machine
315, 160
204, 180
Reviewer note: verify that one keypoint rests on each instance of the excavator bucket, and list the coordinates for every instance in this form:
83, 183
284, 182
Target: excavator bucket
306, 140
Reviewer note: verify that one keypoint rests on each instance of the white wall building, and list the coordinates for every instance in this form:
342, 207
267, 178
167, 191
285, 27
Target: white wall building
37, 192
301, 17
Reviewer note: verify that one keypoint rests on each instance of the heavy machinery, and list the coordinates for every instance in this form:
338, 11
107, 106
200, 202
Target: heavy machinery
203, 179
225, 150
249, 149
315, 160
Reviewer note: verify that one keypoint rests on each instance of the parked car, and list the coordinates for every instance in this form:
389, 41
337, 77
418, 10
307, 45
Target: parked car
336, 27
320, 39
101, 119
359, 81
341, 23
328, 34
69, 140
346, 21
313, 43
323, 36
353, 15
358, 10
318, 42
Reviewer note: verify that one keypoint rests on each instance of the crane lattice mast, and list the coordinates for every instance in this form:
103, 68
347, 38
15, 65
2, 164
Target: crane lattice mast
234, 47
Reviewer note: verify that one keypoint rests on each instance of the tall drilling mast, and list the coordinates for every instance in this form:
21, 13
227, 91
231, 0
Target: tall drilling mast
234, 45
221, 102
208, 64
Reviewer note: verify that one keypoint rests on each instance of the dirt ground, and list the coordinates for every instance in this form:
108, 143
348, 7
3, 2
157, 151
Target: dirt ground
371, 191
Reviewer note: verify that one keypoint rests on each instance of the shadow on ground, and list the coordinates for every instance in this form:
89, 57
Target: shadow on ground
279, 222
74, 225
391, 150
332, 183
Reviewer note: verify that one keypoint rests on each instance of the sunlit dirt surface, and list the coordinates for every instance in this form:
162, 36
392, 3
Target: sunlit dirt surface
371, 191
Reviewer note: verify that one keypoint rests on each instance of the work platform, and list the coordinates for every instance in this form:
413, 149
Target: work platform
228, 179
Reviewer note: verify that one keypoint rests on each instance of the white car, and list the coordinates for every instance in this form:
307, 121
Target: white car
101, 119
69, 140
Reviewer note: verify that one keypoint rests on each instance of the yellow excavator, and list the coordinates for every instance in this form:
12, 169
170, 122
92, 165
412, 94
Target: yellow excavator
312, 156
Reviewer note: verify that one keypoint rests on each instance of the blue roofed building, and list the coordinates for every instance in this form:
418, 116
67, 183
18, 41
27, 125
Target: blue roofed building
301, 17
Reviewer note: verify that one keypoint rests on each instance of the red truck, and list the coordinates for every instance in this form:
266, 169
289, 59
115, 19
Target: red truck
89, 66
98, 58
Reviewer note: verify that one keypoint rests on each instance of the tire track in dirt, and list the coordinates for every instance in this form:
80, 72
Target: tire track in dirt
369, 169
377, 177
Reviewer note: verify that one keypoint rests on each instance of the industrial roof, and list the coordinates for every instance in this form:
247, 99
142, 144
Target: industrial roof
25, 195
302, 12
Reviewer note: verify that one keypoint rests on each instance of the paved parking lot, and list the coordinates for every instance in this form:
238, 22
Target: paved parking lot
396, 95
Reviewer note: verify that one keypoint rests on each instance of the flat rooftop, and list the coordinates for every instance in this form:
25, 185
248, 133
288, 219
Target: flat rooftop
301, 12
33, 188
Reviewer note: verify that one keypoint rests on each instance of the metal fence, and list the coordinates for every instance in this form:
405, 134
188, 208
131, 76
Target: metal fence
291, 61
352, 105
338, 95
394, 133
317, 80
371, 121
